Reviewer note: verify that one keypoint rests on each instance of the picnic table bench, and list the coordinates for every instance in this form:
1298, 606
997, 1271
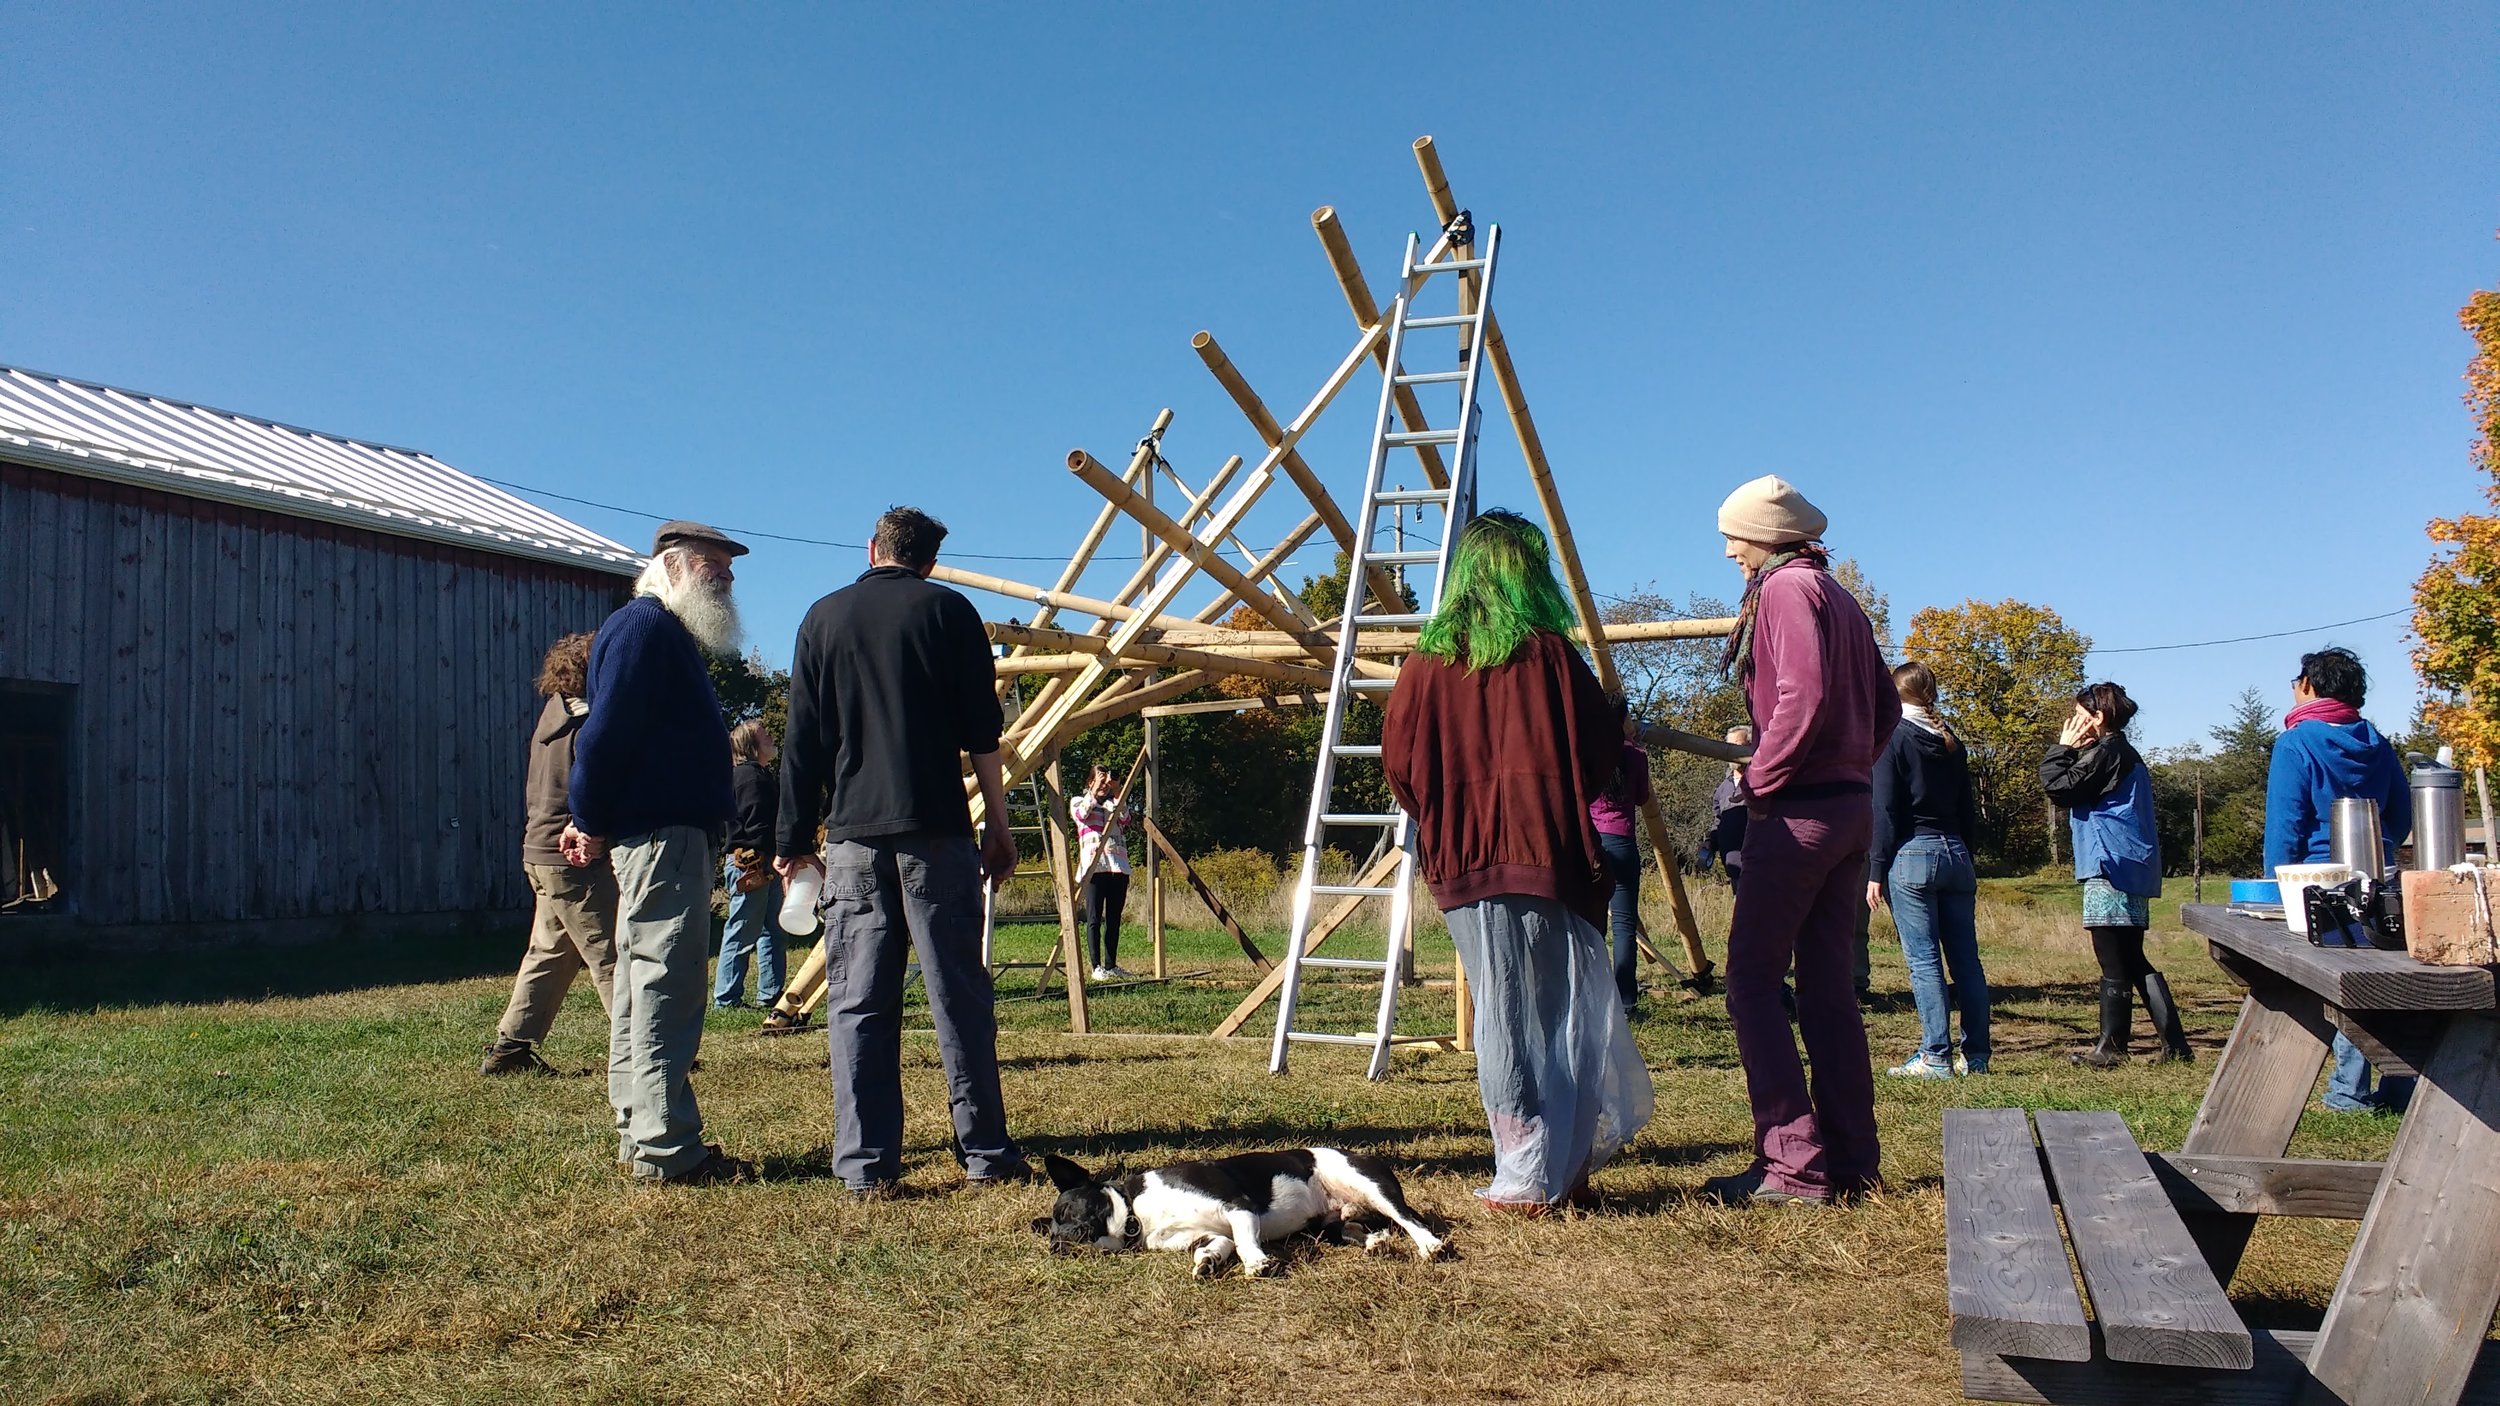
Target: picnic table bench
2156, 1237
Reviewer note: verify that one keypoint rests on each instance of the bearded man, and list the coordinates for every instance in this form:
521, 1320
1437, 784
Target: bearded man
651, 791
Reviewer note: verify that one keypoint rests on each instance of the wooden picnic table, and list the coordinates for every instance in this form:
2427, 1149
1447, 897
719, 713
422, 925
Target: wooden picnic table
2409, 1319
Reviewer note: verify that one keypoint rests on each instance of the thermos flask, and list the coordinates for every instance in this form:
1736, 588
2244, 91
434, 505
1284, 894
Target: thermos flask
2354, 838
2438, 816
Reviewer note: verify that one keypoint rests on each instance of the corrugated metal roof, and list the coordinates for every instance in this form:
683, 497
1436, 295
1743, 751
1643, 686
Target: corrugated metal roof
126, 436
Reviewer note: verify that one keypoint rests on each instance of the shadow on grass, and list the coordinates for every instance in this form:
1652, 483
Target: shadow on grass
70, 982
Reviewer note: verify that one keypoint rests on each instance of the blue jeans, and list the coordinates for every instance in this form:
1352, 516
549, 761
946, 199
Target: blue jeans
1934, 893
1623, 911
2348, 1088
752, 928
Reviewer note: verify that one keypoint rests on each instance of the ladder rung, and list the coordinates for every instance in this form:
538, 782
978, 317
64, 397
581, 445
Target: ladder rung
1439, 497
1316, 1037
1355, 964
1400, 558
1428, 378
1460, 320
1359, 818
1357, 749
1412, 437
1391, 621
1350, 890
1449, 266
1368, 685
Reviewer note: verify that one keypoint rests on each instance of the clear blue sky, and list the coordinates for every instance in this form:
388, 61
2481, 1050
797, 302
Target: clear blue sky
2145, 313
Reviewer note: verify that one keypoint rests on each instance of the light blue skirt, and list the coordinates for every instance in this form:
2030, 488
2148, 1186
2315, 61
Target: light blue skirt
2105, 907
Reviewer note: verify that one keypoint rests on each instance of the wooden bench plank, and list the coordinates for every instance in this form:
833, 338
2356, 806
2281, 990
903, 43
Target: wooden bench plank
2005, 1261
2276, 1372
2266, 1186
2006, 1264
2151, 1292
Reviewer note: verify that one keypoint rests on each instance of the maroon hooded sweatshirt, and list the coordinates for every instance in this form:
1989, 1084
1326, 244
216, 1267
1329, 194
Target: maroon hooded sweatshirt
1823, 702
1498, 767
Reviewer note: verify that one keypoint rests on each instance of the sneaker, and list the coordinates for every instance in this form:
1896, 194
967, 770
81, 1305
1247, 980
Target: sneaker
513, 1057
717, 1167
1100, 974
1921, 1067
1753, 1187
1121, 973
1963, 1065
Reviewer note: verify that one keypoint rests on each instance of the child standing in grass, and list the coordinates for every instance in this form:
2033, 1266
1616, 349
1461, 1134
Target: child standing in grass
2107, 791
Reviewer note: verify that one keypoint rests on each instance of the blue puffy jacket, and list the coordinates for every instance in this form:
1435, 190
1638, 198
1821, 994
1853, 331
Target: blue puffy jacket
2317, 764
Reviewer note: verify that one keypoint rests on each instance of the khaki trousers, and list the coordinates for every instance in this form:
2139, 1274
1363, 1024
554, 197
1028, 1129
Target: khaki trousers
575, 928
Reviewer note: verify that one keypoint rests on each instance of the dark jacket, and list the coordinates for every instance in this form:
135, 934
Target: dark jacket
653, 751
1727, 828
2318, 763
759, 803
890, 685
545, 810
2107, 791
1922, 787
1498, 767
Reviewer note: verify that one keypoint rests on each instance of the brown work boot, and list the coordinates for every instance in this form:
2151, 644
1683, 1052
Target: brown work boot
718, 1167
513, 1057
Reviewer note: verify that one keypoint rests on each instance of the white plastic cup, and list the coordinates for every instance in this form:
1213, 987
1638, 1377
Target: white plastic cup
798, 903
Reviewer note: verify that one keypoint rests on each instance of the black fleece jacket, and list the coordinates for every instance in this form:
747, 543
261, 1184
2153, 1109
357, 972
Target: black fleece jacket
1922, 787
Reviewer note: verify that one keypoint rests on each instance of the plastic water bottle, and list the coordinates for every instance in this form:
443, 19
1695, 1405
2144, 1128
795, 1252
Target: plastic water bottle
798, 905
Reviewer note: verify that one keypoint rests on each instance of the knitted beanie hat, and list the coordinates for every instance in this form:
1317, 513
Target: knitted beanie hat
1771, 511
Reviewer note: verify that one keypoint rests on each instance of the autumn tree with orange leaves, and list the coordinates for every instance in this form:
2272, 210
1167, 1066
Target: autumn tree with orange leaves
2456, 603
2006, 674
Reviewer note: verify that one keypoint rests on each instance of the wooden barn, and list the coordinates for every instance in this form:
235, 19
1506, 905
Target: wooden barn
259, 681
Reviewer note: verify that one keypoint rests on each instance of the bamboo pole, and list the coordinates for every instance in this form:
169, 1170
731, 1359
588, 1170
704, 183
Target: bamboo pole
1255, 410
1062, 600
1128, 500
1209, 661
1267, 566
1162, 845
1566, 550
1063, 887
1188, 521
1268, 703
1358, 299
1381, 869
1234, 509
1154, 877
1139, 462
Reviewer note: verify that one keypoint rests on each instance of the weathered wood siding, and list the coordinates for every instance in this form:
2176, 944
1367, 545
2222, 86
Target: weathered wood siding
278, 718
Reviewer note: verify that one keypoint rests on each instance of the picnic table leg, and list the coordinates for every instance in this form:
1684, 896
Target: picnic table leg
2261, 1083
2417, 1295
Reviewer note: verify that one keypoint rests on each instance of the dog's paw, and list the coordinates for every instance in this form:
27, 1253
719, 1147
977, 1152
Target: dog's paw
1261, 1269
1380, 1242
1203, 1268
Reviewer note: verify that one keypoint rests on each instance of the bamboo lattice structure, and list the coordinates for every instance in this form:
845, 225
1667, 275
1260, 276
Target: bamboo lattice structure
1140, 648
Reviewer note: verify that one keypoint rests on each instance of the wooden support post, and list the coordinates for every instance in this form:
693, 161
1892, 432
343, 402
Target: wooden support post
1063, 887
1566, 549
1154, 853
1215, 905
1335, 919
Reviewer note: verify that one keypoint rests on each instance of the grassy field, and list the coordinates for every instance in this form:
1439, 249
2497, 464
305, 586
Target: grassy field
276, 1177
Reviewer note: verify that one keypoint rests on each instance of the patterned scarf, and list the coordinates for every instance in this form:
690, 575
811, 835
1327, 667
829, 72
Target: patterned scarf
1737, 660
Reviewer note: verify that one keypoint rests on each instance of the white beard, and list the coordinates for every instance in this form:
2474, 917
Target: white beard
709, 613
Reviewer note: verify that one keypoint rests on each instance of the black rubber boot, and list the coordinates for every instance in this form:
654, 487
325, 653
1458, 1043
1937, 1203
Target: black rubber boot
2117, 1017
2164, 1014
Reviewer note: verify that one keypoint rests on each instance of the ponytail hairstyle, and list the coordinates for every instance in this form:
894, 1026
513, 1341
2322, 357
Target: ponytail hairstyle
1916, 684
2109, 703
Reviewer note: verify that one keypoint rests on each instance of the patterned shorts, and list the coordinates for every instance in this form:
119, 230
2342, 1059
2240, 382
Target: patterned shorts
2105, 907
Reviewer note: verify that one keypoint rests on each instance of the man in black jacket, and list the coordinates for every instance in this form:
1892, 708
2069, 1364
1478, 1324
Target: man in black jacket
890, 684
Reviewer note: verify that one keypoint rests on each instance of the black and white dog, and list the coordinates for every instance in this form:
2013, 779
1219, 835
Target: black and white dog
1226, 1208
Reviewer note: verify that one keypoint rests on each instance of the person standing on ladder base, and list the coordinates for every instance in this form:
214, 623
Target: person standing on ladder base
1498, 739
1102, 819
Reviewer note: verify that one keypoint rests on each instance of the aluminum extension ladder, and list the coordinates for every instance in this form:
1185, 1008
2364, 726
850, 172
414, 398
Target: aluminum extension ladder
1457, 503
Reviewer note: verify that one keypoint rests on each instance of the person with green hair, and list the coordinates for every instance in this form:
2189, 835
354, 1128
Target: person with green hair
1497, 740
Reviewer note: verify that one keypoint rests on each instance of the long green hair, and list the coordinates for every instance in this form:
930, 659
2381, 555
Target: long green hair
1501, 590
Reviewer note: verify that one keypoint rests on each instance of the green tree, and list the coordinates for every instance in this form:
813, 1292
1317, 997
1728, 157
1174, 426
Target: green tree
1876, 604
2006, 673
1677, 683
750, 688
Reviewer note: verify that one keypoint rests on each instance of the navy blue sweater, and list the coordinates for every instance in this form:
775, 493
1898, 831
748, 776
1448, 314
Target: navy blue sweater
653, 751
1922, 787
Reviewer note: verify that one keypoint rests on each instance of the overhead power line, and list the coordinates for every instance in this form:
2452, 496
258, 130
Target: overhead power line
741, 531
2244, 639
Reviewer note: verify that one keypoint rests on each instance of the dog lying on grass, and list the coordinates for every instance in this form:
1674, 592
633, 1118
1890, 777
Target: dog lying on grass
1227, 1208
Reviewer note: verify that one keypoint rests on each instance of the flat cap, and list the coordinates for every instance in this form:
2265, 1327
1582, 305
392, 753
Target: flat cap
671, 533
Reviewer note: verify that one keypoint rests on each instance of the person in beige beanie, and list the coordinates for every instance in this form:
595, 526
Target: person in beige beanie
1823, 706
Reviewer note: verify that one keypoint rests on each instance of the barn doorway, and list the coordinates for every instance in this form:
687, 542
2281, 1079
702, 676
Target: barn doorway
34, 797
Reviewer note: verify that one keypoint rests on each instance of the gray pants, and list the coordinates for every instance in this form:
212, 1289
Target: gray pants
663, 941
884, 897
575, 928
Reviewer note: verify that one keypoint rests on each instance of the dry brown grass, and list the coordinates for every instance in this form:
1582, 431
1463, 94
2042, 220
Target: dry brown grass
316, 1200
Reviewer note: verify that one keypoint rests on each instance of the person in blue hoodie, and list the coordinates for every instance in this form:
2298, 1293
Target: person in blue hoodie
2107, 792
2326, 753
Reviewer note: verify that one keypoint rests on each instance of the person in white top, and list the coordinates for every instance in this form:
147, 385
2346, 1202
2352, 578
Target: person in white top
1102, 819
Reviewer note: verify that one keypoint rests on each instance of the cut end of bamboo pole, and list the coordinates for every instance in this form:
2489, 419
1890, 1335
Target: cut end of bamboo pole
1077, 459
1201, 342
1424, 143
1323, 217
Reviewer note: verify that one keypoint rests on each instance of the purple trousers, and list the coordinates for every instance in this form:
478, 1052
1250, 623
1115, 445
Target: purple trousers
1805, 870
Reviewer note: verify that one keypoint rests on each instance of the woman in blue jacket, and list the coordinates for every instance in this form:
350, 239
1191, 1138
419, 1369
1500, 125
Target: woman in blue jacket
2107, 792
